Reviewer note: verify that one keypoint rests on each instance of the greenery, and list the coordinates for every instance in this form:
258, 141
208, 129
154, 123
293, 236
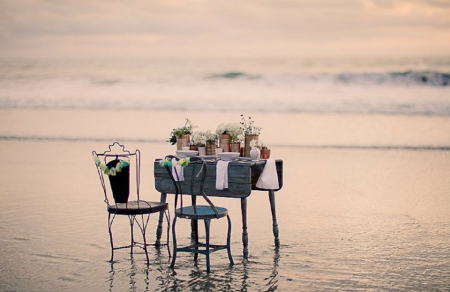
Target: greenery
112, 171
180, 131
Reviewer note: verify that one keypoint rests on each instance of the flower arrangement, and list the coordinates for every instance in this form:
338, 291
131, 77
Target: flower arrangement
198, 138
184, 162
211, 137
180, 131
112, 171
248, 127
234, 129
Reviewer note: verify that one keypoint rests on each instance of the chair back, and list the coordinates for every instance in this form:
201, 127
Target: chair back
117, 168
187, 180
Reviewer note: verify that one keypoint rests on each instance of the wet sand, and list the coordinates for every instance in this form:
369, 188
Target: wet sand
354, 213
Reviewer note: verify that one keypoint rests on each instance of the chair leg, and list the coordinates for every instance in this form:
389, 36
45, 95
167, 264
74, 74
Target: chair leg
110, 222
229, 241
131, 218
143, 228
207, 226
174, 239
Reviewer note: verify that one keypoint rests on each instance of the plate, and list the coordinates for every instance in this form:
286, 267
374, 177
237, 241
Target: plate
228, 156
186, 153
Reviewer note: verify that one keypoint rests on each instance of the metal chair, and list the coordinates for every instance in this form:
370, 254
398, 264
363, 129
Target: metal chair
194, 174
116, 166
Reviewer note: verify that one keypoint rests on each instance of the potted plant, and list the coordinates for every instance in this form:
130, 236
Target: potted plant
198, 141
211, 142
265, 151
181, 135
251, 132
227, 133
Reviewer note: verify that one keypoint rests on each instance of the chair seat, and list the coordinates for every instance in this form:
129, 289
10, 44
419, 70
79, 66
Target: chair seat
200, 212
137, 207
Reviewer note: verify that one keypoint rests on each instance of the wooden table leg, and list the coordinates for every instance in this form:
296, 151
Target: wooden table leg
244, 226
274, 218
159, 229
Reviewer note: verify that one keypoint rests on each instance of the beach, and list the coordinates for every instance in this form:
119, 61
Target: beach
365, 204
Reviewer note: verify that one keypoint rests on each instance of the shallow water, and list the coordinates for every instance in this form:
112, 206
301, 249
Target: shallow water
350, 219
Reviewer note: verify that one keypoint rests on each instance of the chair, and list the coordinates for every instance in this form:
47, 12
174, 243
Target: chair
116, 166
192, 183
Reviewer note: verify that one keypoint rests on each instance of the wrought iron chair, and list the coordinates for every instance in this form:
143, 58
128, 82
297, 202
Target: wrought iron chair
191, 184
116, 166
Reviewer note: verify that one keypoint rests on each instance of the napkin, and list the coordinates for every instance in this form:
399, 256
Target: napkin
268, 179
177, 170
222, 175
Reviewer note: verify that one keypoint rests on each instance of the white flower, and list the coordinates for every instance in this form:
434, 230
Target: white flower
112, 171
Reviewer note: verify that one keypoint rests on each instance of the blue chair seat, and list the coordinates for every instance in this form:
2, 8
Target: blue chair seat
201, 212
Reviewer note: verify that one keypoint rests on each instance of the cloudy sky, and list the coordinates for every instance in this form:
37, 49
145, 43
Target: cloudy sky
223, 28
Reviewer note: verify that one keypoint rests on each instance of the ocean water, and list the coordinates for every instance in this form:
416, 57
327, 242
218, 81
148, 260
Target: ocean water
365, 204
408, 86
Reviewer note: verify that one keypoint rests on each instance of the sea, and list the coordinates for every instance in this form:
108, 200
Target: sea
389, 86
365, 144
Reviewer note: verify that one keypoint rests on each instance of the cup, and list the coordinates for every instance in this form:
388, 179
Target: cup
185, 148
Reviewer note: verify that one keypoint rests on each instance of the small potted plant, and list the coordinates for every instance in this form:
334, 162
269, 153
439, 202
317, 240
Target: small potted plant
181, 135
265, 151
198, 142
211, 142
226, 133
251, 132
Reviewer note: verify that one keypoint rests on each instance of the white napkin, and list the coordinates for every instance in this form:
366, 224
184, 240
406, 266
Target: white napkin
268, 179
177, 169
222, 175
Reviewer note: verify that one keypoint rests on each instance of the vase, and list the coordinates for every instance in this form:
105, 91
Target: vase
235, 147
120, 183
265, 153
224, 142
255, 153
201, 151
182, 141
210, 148
247, 148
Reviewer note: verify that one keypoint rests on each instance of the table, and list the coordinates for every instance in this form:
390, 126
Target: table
242, 178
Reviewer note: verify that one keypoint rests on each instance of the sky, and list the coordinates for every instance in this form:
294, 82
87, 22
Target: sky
223, 28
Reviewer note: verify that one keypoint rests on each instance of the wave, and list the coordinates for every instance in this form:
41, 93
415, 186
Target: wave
140, 140
421, 78
406, 78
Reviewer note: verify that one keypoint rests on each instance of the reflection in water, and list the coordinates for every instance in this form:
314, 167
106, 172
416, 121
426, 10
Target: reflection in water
246, 275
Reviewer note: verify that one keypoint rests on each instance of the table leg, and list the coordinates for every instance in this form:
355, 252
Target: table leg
274, 218
159, 229
244, 226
